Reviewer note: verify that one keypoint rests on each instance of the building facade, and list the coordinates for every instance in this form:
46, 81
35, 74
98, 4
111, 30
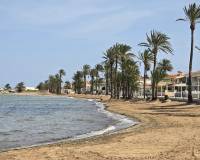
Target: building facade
175, 85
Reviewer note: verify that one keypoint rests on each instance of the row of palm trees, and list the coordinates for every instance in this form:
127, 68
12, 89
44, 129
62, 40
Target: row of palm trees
54, 83
119, 71
155, 43
120, 67
80, 79
119, 62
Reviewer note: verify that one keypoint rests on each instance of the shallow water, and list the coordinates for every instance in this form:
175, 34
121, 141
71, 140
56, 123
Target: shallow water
32, 120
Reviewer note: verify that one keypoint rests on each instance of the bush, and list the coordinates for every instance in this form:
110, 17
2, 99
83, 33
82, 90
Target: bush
166, 97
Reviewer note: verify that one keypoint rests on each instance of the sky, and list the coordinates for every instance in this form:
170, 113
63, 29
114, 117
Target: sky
39, 37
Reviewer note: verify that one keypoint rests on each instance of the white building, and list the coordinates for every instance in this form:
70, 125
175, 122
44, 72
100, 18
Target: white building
31, 89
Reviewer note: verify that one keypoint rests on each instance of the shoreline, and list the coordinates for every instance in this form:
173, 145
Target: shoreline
166, 131
82, 137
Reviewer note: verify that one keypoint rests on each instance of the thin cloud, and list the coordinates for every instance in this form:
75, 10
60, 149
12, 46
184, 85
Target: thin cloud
72, 18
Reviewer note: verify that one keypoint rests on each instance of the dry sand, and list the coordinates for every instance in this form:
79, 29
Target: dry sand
167, 131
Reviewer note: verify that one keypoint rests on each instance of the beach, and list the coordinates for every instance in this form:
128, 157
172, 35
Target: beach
168, 130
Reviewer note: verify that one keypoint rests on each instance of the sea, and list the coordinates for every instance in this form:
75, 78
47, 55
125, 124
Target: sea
35, 120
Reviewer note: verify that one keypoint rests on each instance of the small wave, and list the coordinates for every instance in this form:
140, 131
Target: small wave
96, 133
123, 121
71, 97
91, 100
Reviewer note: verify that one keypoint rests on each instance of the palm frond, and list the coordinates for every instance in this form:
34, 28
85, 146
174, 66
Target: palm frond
197, 48
181, 19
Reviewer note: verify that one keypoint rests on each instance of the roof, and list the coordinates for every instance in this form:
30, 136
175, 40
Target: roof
179, 74
194, 74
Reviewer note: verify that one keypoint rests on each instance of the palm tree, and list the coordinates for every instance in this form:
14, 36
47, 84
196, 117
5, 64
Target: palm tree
58, 81
92, 75
125, 53
106, 71
7, 87
86, 71
20, 87
78, 81
61, 74
116, 53
109, 59
163, 67
156, 42
98, 68
67, 85
131, 77
192, 15
40, 86
51, 84
146, 57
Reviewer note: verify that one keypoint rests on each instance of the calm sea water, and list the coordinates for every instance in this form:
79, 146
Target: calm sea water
33, 120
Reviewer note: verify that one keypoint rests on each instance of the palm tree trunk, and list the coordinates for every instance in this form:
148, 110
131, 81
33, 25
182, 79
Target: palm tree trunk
123, 84
190, 99
154, 97
85, 83
123, 79
118, 90
96, 85
60, 85
128, 90
144, 87
127, 85
115, 84
111, 81
92, 85
106, 82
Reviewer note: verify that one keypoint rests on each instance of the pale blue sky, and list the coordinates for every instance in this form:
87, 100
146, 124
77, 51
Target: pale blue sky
38, 37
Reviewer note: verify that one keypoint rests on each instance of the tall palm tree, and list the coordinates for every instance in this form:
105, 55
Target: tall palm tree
147, 58
125, 54
58, 82
61, 74
98, 68
52, 84
106, 71
131, 75
116, 53
156, 42
78, 81
109, 58
92, 75
192, 15
86, 71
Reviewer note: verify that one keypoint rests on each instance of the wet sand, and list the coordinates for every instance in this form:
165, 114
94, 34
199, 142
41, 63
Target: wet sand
166, 131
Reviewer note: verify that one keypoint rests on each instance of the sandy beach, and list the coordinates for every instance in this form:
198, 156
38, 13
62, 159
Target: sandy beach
168, 130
